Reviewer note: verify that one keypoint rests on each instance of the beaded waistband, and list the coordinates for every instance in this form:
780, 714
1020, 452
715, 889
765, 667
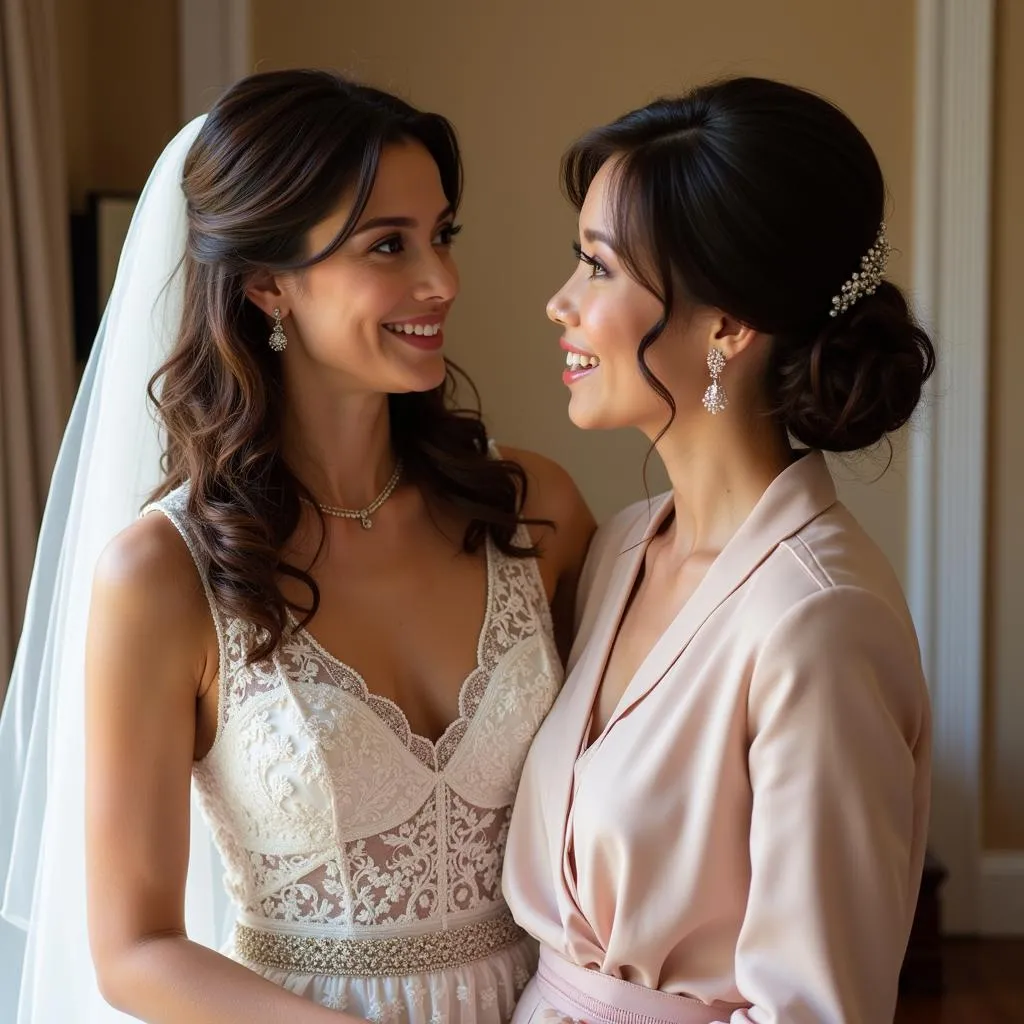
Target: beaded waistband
384, 957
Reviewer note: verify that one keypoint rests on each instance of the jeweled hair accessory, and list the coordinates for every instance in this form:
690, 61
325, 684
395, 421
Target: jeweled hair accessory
867, 279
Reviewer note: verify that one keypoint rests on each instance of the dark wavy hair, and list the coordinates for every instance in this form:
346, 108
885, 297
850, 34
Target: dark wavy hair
760, 199
272, 159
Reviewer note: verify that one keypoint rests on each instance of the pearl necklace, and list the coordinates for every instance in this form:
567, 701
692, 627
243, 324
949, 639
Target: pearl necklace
363, 514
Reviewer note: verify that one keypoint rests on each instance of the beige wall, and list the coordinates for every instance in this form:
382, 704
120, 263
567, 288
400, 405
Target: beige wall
119, 84
520, 81
1004, 747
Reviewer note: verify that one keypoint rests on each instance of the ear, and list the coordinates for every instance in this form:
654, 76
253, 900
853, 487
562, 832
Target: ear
730, 336
264, 292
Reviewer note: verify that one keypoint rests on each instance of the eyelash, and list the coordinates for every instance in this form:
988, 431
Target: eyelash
448, 233
597, 268
452, 231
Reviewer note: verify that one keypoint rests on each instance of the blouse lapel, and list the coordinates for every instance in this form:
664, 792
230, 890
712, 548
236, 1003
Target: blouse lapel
799, 494
569, 720
605, 609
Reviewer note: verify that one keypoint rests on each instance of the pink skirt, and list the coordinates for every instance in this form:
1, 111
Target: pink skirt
561, 991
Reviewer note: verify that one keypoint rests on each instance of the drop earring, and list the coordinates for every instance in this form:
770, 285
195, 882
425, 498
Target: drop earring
715, 399
278, 339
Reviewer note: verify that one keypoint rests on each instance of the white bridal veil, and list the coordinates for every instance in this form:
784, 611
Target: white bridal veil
108, 464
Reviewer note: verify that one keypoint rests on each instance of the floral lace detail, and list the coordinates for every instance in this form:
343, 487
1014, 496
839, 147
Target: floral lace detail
515, 601
317, 897
331, 815
474, 874
385, 1013
395, 875
521, 977
490, 758
336, 1000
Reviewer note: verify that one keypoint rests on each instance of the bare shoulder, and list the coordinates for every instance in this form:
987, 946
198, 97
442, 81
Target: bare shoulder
552, 495
551, 492
147, 590
149, 559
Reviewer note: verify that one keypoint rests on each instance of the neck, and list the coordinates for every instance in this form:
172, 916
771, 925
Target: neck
340, 446
718, 473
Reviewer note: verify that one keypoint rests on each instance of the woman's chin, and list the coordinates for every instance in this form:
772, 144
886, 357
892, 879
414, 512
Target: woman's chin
584, 416
426, 377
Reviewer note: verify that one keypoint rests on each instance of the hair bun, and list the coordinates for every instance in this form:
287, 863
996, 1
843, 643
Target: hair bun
859, 379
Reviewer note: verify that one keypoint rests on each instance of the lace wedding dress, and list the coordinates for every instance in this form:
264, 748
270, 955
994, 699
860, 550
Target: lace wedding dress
364, 860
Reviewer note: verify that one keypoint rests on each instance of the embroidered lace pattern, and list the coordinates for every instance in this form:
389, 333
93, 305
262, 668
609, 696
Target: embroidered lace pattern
333, 818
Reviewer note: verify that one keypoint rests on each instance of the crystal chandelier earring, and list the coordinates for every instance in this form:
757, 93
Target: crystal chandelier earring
715, 400
278, 339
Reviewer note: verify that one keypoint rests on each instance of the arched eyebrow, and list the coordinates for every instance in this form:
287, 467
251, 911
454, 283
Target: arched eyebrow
598, 236
398, 222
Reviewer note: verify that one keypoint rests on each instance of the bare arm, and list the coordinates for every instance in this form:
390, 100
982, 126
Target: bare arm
152, 653
551, 494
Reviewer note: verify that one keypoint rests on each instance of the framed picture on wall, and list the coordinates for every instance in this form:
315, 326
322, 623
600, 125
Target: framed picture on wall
97, 236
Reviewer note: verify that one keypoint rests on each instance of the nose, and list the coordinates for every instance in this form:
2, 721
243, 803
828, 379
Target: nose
439, 278
561, 310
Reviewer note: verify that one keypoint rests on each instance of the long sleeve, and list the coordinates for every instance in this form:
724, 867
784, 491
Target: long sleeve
839, 765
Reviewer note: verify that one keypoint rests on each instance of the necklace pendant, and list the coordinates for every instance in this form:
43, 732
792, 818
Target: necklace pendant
366, 522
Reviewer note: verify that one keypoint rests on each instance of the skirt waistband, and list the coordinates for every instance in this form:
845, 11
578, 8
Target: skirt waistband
580, 993
380, 957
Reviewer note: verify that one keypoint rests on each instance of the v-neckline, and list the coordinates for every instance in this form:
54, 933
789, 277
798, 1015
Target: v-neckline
798, 494
628, 594
375, 700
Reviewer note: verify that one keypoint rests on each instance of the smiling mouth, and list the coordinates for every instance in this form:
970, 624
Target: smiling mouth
580, 361
425, 330
578, 365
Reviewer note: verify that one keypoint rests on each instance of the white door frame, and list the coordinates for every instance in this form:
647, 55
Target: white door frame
948, 443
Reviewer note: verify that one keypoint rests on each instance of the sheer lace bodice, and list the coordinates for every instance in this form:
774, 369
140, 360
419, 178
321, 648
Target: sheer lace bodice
333, 818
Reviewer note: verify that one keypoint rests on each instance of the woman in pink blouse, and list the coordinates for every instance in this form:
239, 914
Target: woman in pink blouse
723, 818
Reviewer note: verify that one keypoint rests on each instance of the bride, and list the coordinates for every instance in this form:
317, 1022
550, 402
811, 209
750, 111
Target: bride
340, 618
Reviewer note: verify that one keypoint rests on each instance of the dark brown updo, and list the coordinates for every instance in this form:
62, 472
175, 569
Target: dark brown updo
760, 199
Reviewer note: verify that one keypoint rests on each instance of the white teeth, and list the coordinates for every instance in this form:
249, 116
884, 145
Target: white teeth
427, 330
577, 361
